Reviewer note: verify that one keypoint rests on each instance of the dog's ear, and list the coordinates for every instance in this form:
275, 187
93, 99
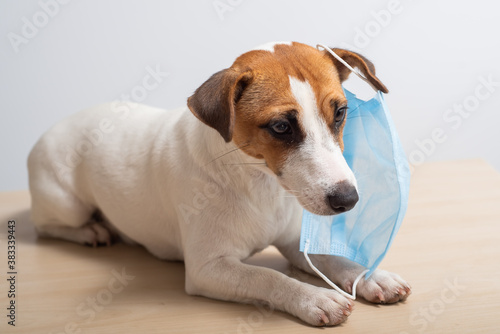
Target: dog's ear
356, 60
215, 100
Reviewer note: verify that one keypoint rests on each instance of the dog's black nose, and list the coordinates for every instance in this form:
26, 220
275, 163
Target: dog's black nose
344, 198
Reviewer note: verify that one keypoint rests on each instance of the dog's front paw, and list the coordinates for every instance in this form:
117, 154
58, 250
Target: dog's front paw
322, 307
383, 287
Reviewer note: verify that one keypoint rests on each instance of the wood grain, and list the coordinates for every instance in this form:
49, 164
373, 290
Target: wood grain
448, 249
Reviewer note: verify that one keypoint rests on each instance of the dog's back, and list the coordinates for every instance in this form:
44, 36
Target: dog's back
99, 155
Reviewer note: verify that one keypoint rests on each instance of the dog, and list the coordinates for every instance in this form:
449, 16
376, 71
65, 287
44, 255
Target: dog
219, 180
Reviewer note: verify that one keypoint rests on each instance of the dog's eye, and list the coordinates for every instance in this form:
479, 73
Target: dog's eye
340, 114
282, 128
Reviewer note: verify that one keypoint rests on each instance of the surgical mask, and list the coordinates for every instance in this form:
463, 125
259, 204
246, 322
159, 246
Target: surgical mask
373, 151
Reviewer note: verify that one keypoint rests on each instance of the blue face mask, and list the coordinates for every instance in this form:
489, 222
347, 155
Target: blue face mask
374, 153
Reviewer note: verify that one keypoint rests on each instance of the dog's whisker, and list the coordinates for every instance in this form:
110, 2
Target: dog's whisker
235, 149
307, 204
246, 163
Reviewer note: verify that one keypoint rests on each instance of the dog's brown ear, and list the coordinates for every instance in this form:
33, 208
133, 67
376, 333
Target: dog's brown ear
356, 60
214, 101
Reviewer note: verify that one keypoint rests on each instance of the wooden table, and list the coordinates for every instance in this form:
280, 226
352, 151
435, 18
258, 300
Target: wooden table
448, 249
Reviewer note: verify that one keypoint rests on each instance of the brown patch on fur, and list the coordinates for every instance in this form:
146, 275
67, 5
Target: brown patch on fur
270, 93
214, 101
356, 60
240, 101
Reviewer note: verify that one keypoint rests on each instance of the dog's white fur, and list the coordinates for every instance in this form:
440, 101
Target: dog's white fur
318, 165
168, 182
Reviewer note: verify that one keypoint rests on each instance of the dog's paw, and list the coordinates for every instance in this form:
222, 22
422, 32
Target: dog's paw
322, 307
94, 234
382, 287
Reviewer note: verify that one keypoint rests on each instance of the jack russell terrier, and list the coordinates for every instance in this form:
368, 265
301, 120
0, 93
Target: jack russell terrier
219, 180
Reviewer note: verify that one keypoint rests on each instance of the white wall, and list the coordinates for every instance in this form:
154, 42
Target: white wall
432, 56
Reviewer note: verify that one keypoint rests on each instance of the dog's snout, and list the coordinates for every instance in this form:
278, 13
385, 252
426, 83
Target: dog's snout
344, 198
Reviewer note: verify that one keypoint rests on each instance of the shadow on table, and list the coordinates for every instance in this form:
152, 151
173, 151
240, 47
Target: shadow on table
155, 282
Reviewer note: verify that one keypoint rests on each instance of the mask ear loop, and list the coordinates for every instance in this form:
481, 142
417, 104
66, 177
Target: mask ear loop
306, 247
330, 51
330, 283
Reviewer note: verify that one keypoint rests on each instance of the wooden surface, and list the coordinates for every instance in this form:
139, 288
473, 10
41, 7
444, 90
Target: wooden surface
448, 248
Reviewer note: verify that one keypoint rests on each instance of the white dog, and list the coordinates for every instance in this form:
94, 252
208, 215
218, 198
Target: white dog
211, 184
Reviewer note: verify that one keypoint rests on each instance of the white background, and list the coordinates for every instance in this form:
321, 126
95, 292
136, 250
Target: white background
430, 55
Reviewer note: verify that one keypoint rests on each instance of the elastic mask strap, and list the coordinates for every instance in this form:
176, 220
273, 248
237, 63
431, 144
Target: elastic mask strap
345, 63
330, 283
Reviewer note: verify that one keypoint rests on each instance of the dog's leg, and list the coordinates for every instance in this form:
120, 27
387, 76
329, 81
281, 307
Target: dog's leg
227, 278
381, 287
92, 234
58, 213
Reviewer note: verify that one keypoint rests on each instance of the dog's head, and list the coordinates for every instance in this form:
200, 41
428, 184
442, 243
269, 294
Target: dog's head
284, 103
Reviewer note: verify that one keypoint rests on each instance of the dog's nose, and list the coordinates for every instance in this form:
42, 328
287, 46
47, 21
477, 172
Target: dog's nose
344, 198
